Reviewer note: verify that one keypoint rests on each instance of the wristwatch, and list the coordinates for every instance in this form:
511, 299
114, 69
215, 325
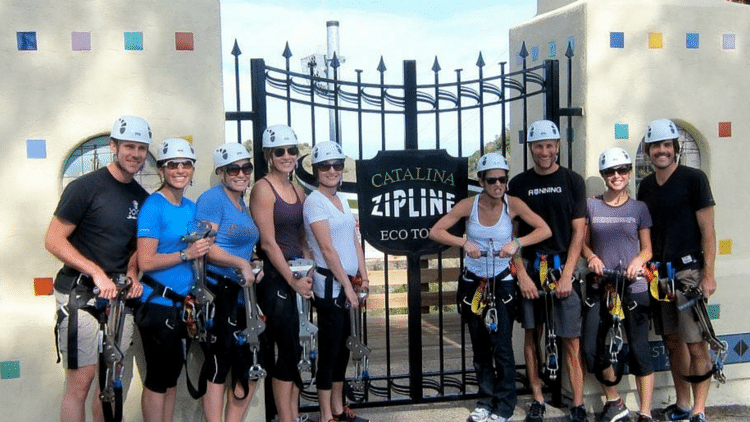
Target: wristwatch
183, 256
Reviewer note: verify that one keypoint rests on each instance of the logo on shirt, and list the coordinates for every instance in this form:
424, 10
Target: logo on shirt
133, 211
542, 191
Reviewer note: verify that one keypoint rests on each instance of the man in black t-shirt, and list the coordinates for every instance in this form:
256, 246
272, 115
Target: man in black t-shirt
558, 195
682, 208
93, 233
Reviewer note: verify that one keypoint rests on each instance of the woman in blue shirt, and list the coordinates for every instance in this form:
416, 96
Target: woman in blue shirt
165, 217
229, 268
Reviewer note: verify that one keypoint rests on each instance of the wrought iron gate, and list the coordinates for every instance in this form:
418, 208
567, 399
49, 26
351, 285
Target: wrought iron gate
438, 368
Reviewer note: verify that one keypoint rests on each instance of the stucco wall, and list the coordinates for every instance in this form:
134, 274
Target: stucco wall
65, 97
636, 61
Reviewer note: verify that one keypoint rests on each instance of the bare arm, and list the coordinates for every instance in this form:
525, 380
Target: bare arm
439, 232
57, 243
136, 288
541, 231
708, 244
149, 259
218, 256
565, 287
639, 262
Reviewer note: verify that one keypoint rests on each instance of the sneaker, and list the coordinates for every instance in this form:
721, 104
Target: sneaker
676, 413
348, 416
645, 418
578, 414
497, 418
480, 414
536, 412
614, 411
698, 417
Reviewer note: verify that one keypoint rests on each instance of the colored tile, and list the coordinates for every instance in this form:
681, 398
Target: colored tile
535, 53
727, 41
36, 148
43, 286
714, 311
572, 43
184, 41
621, 131
26, 41
552, 49
655, 40
692, 40
725, 247
133, 40
617, 40
81, 41
10, 369
725, 129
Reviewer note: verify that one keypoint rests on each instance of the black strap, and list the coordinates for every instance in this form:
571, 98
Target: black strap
78, 297
697, 379
158, 289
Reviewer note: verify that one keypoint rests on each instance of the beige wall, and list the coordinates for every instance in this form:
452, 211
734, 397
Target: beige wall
66, 97
698, 88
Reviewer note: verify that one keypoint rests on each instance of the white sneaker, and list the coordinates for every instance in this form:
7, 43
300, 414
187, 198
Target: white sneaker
497, 418
480, 414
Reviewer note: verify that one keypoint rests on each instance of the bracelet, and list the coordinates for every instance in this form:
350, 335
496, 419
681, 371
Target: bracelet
591, 257
518, 242
465, 242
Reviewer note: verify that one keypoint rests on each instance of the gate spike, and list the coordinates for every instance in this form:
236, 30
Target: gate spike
236, 49
381, 65
335, 61
480, 60
524, 52
436, 66
569, 51
287, 52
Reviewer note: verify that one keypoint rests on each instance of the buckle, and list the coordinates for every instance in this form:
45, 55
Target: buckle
165, 291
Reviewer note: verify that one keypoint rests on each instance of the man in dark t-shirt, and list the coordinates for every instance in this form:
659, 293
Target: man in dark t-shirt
558, 195
93, 233
682, 208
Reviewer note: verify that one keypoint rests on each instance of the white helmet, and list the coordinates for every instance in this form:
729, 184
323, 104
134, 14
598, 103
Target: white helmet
131, 128
279, 136
492, 161
542, 130
229, 153
175, 148
661, 130
327, 150
614, 157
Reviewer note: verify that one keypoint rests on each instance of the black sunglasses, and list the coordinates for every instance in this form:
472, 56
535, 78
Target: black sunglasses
234, 169
622, 171
174, 165
279, 152
493, 180
338, 166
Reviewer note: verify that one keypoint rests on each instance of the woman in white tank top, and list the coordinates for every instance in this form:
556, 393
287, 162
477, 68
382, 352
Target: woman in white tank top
489, 232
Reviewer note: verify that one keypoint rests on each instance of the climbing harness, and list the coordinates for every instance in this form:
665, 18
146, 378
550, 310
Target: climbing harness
307, 330
485, 298
111, 357
199, 308
360, 353
718, 348
255, 324
548, 278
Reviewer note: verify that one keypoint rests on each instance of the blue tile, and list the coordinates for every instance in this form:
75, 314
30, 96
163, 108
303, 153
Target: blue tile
621, 131
534, 53
133, 40
26, 41
617, 40
36, 148
692, 40
552, 49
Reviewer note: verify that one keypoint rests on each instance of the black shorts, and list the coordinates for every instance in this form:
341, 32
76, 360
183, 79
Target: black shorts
163, 345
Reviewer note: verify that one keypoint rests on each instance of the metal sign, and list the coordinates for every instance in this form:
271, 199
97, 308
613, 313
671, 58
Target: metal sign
403, 193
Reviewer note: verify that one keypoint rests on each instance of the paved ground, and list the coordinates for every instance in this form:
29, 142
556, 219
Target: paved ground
458, 411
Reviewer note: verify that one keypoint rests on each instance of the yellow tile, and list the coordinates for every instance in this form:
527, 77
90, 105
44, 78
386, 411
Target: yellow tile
725, 247
655, 40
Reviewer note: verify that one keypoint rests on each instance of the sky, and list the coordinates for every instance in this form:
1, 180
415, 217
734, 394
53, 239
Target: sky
453, 31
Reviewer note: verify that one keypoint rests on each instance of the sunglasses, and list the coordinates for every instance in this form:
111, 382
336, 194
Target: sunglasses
174, 165
234, 169
493, 180
324, 167
622, 171
279, 152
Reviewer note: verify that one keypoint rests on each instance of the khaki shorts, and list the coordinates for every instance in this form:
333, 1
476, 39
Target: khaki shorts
668, 320
88, 334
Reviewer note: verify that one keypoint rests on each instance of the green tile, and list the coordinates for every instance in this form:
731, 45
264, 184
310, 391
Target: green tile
714, 311
10, 369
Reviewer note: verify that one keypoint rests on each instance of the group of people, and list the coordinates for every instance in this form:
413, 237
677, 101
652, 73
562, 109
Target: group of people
525, 237
106, 226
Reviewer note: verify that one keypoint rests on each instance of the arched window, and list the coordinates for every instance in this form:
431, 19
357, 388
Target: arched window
690, 155
95, 153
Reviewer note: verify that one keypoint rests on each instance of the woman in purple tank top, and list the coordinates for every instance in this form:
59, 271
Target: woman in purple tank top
276, 205
618, 238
